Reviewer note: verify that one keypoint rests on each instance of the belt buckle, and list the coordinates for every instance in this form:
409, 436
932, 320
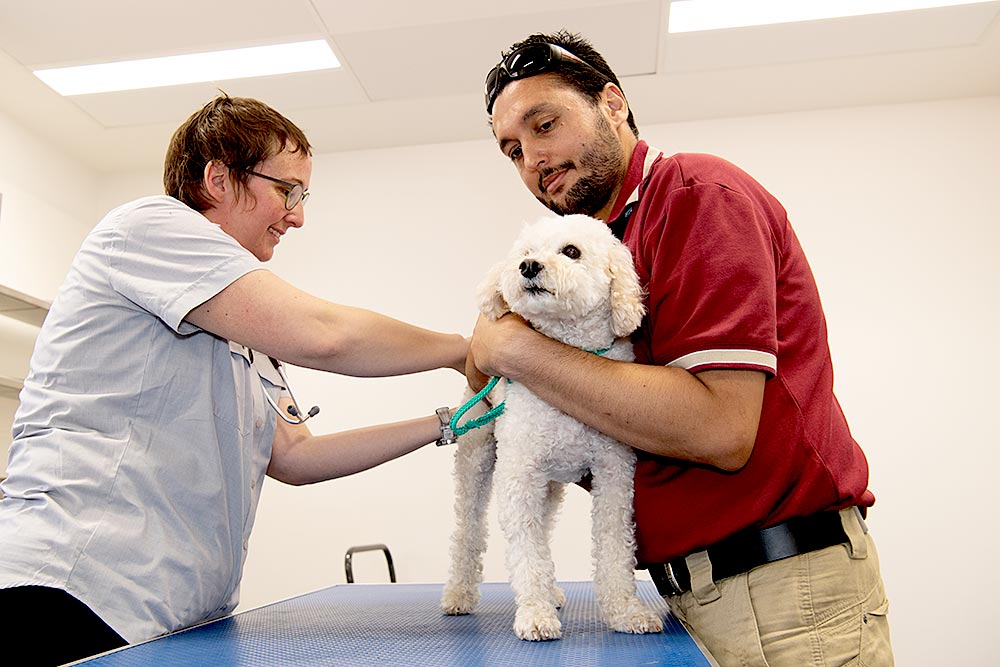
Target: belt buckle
672, 579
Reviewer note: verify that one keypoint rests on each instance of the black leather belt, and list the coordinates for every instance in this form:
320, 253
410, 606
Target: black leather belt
748, 549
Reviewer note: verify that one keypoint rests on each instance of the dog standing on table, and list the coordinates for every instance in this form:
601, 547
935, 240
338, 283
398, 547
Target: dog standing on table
574, 282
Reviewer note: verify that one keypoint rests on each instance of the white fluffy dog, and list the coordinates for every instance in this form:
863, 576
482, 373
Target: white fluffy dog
573, 281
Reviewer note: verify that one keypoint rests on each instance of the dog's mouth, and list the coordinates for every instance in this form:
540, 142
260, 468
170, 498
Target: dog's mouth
535, 290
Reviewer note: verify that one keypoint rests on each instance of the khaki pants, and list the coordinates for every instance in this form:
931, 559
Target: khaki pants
821, 609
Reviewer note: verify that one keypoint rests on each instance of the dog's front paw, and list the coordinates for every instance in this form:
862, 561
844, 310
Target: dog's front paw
536, 624
636, 618
458, 600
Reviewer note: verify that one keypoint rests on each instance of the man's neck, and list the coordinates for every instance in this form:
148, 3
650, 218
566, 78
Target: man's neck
628, 143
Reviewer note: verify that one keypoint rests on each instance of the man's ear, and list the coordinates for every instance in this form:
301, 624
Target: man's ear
616, 104
216, 180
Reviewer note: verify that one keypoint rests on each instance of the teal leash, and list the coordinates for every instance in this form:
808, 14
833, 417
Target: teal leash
492, 413
483, 420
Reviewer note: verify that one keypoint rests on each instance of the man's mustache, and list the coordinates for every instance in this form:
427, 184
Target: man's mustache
545, 173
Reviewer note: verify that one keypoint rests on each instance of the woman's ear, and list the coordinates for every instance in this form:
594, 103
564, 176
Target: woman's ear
216, 181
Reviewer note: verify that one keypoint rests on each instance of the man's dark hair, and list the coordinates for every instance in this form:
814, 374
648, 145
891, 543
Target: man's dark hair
584, 79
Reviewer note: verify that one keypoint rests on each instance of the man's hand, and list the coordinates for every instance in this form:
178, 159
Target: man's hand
476, 378
491, 341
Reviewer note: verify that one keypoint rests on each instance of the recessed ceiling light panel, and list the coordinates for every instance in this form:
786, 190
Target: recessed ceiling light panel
696, 15
191, 68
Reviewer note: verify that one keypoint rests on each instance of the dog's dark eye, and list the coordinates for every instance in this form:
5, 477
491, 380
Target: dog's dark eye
571, 251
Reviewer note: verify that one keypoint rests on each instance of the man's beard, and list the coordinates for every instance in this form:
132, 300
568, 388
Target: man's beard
601, 167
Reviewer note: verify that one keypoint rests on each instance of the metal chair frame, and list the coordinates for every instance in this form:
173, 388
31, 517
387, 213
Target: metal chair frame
349, 558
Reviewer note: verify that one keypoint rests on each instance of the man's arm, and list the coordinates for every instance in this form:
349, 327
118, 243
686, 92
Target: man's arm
267, 314
708, 418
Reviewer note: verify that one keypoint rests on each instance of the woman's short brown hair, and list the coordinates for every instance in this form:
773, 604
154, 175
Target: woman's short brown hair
239, 132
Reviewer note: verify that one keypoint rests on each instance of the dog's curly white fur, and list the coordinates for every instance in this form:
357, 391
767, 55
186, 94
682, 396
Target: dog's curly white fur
573, 281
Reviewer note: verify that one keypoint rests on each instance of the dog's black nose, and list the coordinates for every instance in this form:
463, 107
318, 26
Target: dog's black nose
530, 268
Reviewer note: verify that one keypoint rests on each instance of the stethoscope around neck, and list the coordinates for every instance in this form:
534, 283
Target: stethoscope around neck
293, 409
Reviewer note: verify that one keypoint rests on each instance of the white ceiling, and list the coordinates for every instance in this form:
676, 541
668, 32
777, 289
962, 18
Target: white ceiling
413, 71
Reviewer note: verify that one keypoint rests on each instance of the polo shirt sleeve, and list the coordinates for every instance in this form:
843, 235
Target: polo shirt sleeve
713, 287
167, 259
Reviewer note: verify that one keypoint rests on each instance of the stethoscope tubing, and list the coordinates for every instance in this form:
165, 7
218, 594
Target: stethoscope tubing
293, 409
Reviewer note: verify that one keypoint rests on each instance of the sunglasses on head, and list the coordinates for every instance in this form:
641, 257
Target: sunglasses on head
524, 62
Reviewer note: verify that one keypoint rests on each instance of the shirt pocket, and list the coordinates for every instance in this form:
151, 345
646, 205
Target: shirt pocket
245, 405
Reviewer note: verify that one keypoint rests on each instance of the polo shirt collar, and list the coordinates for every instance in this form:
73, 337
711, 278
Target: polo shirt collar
639, 165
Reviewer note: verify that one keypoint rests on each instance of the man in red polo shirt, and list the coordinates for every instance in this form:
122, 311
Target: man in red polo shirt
750, 491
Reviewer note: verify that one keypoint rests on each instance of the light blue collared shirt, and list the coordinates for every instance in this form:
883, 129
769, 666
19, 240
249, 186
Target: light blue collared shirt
141, 441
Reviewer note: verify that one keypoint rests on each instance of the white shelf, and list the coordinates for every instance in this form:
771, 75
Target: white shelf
25, 308
30, 310
22, 307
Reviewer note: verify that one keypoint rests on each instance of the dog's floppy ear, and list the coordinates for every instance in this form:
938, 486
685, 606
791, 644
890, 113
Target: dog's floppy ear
627, 309
491, 301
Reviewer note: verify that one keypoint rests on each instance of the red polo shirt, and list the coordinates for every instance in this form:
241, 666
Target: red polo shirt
729, 287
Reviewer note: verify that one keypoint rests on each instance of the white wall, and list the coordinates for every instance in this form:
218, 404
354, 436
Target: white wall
46, 210
894, 207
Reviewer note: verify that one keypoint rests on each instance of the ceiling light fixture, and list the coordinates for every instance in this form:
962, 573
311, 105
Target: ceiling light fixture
696, 15
190, 68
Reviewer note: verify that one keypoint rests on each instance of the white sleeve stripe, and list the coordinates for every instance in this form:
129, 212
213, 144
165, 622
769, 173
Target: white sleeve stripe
727, 358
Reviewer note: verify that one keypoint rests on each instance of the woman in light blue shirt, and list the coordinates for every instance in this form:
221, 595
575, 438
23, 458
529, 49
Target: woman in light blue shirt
145, 430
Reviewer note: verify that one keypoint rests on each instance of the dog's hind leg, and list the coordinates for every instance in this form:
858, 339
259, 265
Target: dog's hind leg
474, 463
521, 498
614, 545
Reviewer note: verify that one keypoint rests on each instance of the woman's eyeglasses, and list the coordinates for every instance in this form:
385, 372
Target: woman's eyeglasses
524, 62
293, 195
